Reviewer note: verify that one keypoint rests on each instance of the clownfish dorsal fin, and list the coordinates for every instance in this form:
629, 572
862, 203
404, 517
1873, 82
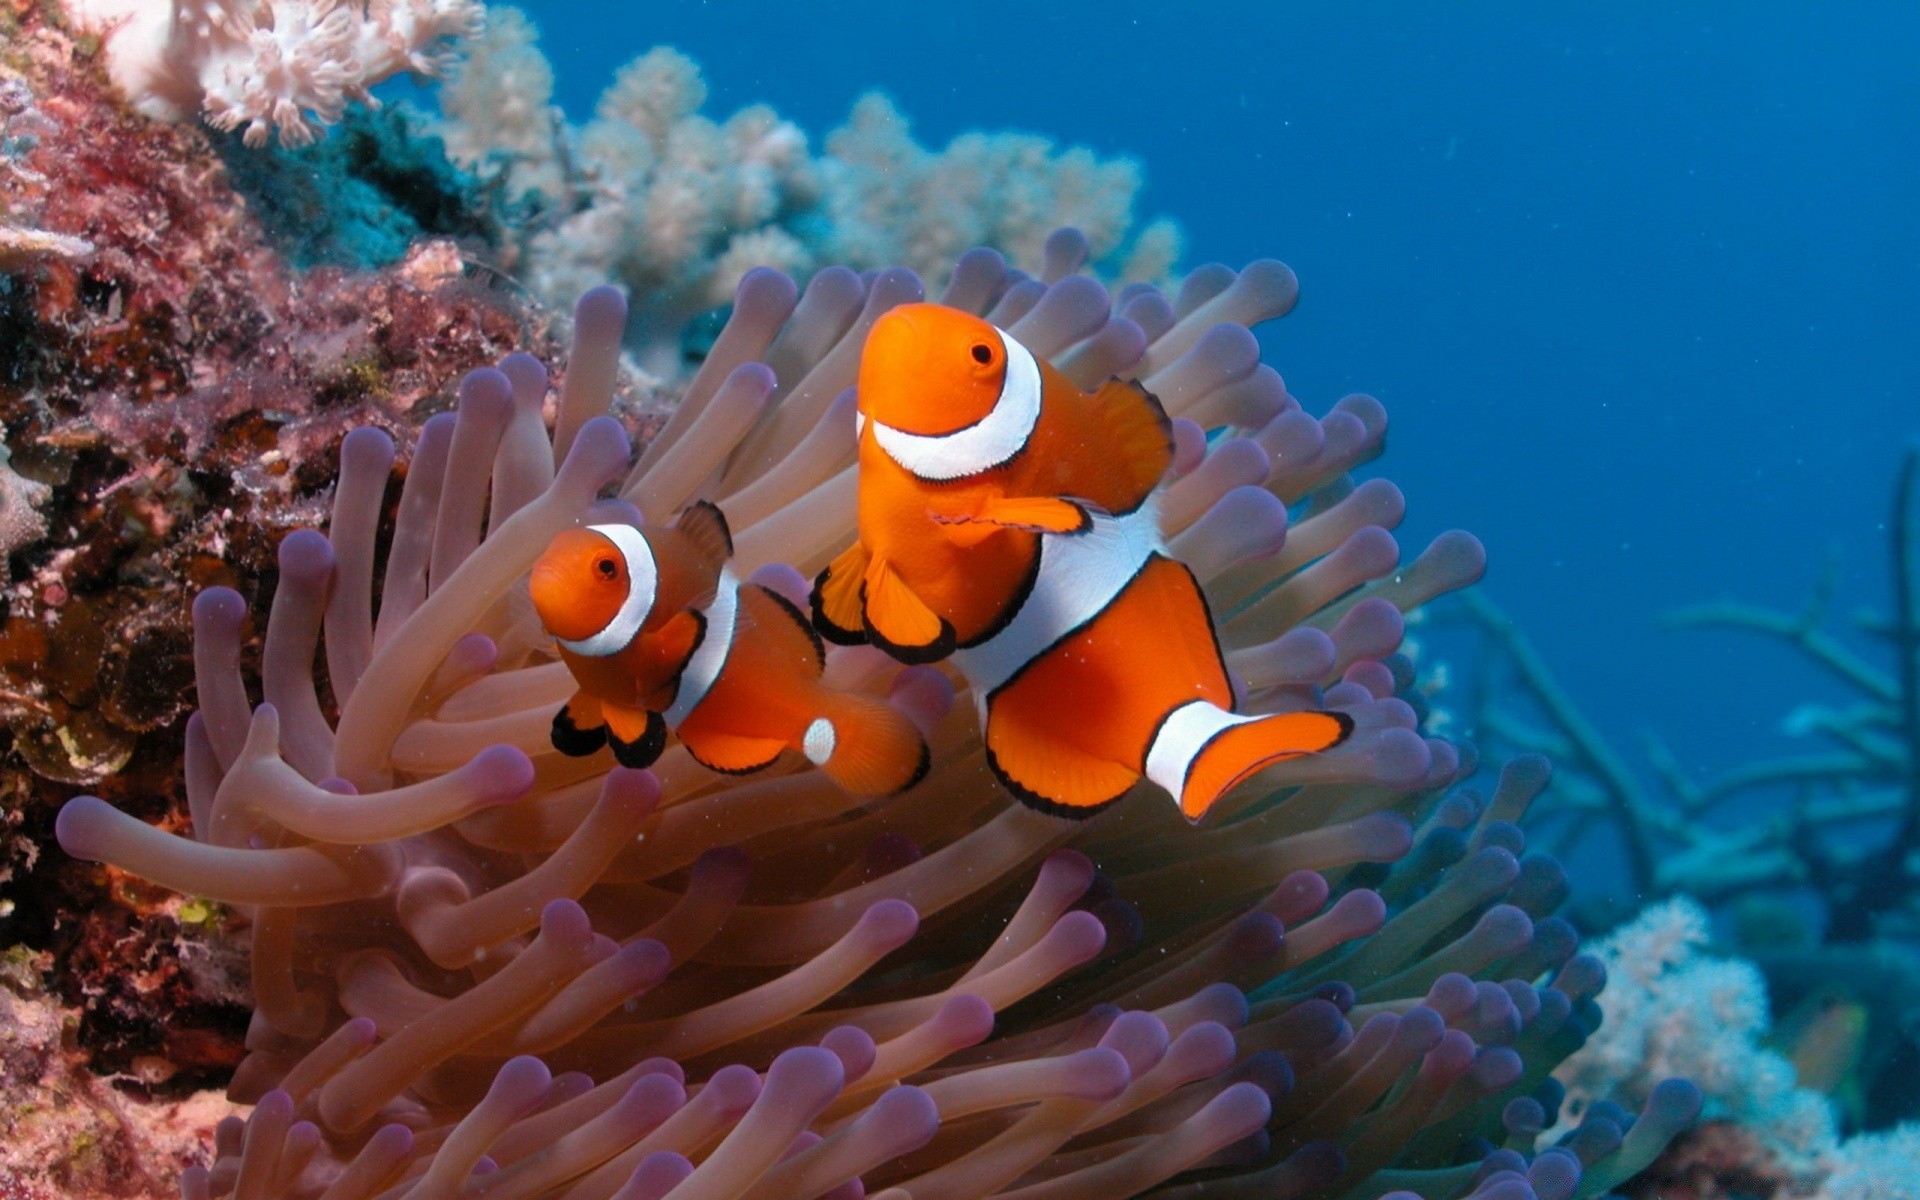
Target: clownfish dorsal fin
703, 524
1136, 441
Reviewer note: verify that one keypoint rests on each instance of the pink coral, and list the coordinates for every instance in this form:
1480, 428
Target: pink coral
286, 66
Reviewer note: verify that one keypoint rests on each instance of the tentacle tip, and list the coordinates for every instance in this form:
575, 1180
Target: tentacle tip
891, 922
503, 773
81, 825
218, 606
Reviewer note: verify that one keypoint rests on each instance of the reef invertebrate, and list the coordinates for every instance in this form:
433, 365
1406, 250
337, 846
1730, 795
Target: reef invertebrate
269, 67
1672, 1010
677, 206
1865, 778
21, 499
485, 969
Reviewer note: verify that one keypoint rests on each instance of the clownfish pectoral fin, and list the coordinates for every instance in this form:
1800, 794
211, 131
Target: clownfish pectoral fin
674, 642
1034, 514
899, 621
578, 728
731, 753
836, 600
638, 736
706, 527
1136, 441
1201, 751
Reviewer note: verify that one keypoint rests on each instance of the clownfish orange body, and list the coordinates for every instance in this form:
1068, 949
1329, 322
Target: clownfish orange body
660, 636
1006, 520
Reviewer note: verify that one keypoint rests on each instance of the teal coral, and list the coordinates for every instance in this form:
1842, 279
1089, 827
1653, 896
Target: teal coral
361, 196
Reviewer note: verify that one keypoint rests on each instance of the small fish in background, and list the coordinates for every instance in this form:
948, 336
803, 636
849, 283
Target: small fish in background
660, 636
1825, 1037
1006, 521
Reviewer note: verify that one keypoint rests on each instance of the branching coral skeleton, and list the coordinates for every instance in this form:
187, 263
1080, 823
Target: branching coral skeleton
1868, 779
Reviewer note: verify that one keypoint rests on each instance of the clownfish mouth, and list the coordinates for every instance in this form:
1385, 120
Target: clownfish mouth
643, 584
990, 442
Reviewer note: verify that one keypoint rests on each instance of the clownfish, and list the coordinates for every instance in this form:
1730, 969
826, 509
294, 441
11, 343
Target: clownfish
1005, 519
660, 635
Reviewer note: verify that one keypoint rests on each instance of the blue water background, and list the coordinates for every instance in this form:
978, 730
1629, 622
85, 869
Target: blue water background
1639, 284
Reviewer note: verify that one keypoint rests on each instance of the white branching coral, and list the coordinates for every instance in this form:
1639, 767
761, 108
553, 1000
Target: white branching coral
1876, 1166
892, 200
677, 207
1674, 1011
269, 66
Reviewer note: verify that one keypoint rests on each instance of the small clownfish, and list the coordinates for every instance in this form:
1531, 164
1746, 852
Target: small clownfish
1006, 520
660, 636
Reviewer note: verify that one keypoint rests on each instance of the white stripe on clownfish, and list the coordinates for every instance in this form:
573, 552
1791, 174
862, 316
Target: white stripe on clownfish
643, 584
1187, 731
709, 658
987, 443
1079, 577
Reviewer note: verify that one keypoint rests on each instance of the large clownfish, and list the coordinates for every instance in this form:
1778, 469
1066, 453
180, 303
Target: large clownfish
1006, 520
660, 636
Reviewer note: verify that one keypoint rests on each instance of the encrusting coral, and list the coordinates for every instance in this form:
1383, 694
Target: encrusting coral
268, 67
482, 969
677, 207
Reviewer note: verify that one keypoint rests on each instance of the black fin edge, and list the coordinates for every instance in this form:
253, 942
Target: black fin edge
1051, 807
825, 628
571, 740
638, 755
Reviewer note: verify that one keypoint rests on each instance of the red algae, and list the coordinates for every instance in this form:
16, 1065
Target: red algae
173, 392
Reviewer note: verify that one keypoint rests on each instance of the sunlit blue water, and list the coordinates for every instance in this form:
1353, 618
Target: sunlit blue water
1638, 283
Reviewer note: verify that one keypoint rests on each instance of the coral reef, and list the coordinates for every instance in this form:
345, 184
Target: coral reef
942, 992
1812, 858
361, 196
678, 207
173, 393
1674, 1009
268, 67
65, 1132
482, 969
1876, 1166
21, 499
1848, 824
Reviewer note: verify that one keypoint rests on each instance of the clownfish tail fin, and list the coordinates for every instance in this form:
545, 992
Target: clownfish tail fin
1201, 751
865, 744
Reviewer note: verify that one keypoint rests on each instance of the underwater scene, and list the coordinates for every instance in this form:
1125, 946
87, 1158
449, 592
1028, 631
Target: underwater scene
749, 601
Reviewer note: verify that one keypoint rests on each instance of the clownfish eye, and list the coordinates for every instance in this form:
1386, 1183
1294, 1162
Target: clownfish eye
982, 353
605, 568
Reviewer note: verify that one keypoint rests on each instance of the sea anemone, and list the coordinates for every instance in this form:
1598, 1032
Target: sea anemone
483, 969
